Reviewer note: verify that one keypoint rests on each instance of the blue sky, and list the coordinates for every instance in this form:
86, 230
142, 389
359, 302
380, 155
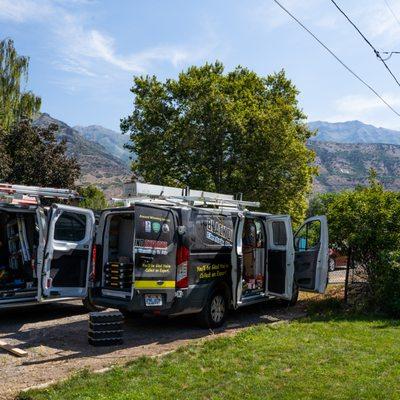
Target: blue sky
84, 53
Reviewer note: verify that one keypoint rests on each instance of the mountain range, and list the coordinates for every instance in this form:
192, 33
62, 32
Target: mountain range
99, 165
353, 132
345, 152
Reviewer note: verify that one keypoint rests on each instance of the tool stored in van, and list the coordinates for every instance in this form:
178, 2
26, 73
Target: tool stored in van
44, 250
174, 251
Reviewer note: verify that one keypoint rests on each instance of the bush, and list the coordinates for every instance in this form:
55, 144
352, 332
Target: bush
384, 281
92, 198
365, 224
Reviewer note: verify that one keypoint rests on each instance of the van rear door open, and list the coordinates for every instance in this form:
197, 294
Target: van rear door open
155, 249
312, 253
67, 252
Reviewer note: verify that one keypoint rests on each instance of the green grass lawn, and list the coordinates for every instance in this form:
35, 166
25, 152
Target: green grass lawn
335, 357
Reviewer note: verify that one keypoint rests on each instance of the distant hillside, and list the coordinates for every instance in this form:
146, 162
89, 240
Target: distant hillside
345, 152
353, 132
343, 166
98, 165
111, 140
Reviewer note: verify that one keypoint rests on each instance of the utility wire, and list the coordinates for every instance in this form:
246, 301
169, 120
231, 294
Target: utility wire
368, 42
390, 54
391, 10
337, 58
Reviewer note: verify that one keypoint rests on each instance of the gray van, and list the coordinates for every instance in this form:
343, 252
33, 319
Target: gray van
172, 254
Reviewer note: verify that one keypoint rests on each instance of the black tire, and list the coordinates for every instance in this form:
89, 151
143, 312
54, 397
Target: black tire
295, 296
215, 311
90, 306
331, 264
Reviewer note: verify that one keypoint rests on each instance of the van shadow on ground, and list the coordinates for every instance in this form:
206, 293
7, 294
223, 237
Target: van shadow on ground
63, 329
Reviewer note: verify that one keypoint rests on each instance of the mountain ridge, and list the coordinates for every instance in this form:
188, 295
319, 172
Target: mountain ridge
353, 132
98, 165
343, 162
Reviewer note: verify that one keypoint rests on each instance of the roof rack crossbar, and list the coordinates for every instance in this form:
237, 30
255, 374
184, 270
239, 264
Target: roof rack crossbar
138, 191
36, 191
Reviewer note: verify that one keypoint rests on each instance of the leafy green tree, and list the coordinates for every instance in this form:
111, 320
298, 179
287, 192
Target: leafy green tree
318, 204
93, 198
233, 132
365, 223
14, 102
35, 157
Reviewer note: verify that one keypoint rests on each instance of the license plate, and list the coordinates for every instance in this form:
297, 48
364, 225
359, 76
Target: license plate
153, 300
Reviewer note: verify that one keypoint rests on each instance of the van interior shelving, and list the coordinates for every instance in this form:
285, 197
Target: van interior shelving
254, 266
18, 243
118, 266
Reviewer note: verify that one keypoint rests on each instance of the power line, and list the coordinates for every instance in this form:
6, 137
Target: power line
368, 42
391, 10
337, 58
390, 54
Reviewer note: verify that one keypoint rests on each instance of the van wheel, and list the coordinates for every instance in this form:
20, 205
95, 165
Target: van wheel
295, 296
90, 306
332, 264
214, 312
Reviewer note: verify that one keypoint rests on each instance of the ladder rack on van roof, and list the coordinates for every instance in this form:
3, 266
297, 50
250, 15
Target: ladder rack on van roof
30, 195
138, 191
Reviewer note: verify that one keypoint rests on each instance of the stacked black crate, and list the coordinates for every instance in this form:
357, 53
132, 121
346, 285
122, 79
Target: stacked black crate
105, 328
118, 276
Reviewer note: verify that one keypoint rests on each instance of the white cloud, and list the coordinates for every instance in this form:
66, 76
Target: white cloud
357, 104
24, 10
366, 108
89, 52
379, 24
270, 15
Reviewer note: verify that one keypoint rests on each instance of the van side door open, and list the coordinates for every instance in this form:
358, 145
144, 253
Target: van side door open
67, 252
311, 255
237, 259
280, 259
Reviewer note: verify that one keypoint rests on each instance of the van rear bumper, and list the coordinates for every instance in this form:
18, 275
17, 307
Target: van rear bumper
192, 301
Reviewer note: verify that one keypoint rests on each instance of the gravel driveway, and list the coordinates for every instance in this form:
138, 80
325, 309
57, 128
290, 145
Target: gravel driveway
55, 336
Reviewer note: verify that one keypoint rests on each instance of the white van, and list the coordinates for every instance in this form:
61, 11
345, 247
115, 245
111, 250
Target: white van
45, 251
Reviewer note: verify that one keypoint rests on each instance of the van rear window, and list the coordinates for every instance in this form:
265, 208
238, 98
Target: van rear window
155, 243
155, 231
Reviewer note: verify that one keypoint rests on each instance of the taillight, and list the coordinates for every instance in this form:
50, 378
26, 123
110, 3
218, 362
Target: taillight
94, 255
182, 267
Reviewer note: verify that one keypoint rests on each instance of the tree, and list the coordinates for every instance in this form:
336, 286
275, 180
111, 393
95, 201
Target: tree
4, 164
365, 224
14, 102
234, 132
36, 158
93, 198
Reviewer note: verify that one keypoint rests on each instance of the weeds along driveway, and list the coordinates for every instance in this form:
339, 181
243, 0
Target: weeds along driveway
55, 336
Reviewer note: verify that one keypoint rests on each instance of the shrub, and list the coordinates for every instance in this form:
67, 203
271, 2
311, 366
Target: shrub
365, 224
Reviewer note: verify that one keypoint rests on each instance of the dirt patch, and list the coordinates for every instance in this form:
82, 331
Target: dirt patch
55, 336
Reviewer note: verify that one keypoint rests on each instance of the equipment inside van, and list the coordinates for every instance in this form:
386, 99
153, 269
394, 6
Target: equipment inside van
44, 249
172, 251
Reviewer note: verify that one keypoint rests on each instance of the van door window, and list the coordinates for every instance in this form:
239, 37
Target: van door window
279, 233
309, 236
70, 227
